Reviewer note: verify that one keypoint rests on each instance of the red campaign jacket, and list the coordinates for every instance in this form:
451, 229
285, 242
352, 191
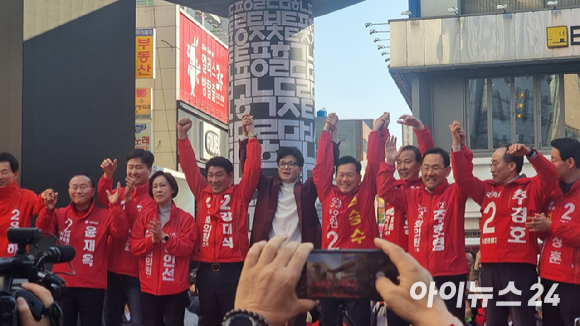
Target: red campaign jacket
164, 267
396, 229
87, 232
560, 260
123, 262
267, 204
222, 219
436, 222
505, 208
348, 220
17, 206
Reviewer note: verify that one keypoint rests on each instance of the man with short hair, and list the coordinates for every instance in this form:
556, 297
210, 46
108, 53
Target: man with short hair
17, 205
560, 259
285, 205
123, 287
508, 251
86, 228
348, 210
436, 214
222, 210
396, 227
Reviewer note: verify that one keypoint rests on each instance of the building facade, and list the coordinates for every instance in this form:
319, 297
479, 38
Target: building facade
507, 70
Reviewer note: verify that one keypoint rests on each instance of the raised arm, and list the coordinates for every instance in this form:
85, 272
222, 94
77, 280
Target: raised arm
462, 165
424, 138
324, 168
193, 175
253, 169
46, 220
375, 154
547, 175
106, 181
386, 181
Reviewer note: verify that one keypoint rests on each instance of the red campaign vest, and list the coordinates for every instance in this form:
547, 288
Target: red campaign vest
87, 232
396, 229
504, 212
222, 219
505, 209
17, 206
348, 220
560, 260
436, 223
123, 261
164, 267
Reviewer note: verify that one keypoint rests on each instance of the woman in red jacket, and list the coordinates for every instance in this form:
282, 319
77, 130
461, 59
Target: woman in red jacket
163, 240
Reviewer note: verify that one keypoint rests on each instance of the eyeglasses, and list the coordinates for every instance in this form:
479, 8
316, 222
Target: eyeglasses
434, 168
284, 165
82, 187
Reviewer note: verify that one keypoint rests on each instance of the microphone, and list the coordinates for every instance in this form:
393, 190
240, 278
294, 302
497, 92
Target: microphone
56, 254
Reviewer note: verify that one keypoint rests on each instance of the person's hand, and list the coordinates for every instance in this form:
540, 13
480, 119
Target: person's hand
382, 122
114, 197
391, 152
518, 150
156, 230
129, 188
331, 121
538, 223
50, 198
456, 130
248, 125
26, 318
477, 263
183, 127
109, 167
398, 297
268, 281
411, 121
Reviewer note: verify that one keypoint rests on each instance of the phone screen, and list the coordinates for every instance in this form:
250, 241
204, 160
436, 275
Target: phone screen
346, 274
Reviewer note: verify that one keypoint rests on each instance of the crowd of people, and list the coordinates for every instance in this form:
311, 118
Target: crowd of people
134, 246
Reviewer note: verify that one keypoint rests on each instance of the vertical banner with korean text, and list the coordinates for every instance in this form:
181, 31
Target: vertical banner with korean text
203, 70
145, 53
271, 76
143, 135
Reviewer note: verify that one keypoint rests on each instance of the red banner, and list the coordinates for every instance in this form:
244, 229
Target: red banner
203, 70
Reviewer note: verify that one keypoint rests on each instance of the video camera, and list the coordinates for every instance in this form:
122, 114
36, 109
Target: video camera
25, 267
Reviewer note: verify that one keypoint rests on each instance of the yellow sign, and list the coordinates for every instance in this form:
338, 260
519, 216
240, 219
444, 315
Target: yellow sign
144, 53
557, 36
143, 102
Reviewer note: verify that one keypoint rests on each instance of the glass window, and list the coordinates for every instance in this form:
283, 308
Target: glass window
501, 114
572, 107
478, 135
524, 110
550, 108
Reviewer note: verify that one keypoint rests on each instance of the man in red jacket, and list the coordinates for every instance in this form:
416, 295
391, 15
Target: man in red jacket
436, 213
86, 228
348, 210
396, 228
123, 274
508, 250
17, 205
560, 260
222, 210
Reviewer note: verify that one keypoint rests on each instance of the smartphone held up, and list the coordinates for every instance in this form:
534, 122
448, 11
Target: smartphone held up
345, 274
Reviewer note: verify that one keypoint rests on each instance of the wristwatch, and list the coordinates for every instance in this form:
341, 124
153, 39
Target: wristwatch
531, 153
165, 238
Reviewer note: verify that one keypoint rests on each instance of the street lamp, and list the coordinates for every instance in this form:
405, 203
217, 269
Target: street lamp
371, 24
380, 39
380, 47
374, 31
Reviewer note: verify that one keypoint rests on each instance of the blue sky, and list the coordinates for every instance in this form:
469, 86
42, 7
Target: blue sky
351, 75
